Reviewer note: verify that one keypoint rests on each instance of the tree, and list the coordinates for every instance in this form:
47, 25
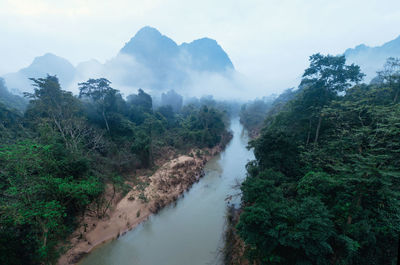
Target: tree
323, 80
11, 100
172, 99
100, 92
40, 186
390, 75
168, 113
335, 203
142, 100
54, 164
204, 126
58, 111
331, 73
11, 125
252, 114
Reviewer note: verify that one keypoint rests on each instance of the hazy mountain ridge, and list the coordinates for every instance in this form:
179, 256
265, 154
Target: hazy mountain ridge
207, 55
152, 48
148, 60
10, 100
169, 65
371, 59
40, 67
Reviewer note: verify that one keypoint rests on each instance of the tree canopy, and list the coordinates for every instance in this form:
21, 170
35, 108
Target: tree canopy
334, 202
58, 155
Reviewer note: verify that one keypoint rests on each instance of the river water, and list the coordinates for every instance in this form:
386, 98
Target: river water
189, 232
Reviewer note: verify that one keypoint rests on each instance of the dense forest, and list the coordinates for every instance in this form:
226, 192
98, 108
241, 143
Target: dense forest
58, 152
252, 114
324, 187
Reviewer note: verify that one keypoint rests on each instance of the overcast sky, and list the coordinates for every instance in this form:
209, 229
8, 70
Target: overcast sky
269, 41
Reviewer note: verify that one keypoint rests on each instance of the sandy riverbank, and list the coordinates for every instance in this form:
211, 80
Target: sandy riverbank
162, 188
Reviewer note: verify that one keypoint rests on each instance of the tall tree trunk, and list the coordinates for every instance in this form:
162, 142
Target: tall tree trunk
318, 127
105, 120
45, 237
350, 217
309, 132
396, 95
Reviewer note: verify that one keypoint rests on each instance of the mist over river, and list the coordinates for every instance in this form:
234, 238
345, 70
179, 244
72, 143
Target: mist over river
190, 231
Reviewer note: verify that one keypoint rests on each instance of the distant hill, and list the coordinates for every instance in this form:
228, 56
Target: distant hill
206, 55
168, 63
148, 60
10, 100
371, 59
40, 67
153, 49
156, 55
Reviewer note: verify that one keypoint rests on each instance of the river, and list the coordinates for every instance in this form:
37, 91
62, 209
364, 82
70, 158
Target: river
189, 232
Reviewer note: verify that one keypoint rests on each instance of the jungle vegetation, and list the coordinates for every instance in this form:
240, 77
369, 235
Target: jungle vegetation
58, 153
324, 187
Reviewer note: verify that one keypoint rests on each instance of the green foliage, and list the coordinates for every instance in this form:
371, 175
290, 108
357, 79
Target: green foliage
58, 156
10, 100
141, 100
172, 99
56, 114
336, 201
101, 94
331, 72
141, 147
204, 126
390, 76
40, 186
252, 114
11, 124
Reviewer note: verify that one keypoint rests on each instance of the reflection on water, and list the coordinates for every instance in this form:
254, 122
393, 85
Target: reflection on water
190, 232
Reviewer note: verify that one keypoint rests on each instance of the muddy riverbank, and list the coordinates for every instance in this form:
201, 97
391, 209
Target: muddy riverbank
191, 230
155, 192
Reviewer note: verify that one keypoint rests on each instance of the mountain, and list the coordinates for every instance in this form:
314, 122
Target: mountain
156, 55
10, 100
40, 67
206, 55
149, 60
169, 64
153, 49
372, 59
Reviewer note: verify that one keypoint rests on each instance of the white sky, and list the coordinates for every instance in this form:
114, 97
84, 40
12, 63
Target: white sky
269, 41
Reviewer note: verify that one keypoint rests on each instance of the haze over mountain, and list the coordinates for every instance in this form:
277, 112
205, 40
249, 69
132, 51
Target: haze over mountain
153, 49
40, 67
156, 63
371, 59
149, 60
10, 100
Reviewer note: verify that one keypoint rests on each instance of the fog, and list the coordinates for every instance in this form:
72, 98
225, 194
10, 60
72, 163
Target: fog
122, 71
268, 41
127, 75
